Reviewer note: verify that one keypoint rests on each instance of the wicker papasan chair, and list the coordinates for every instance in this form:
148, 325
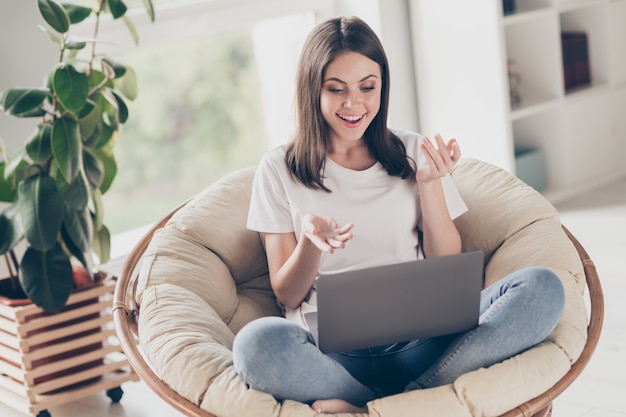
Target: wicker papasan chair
199, 275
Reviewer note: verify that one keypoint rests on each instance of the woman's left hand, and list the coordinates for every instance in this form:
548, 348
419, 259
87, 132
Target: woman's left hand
440, 159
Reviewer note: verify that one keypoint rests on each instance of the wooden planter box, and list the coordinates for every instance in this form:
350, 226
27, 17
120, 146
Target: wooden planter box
51, 359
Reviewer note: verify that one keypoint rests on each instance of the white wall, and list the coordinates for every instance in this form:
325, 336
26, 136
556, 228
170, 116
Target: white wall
390, 20
26, 57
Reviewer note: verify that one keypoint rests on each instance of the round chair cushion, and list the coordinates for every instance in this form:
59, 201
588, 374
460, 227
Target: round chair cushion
204, 276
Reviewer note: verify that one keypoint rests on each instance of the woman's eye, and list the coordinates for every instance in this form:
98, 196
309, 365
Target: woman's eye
368, 89
335, 90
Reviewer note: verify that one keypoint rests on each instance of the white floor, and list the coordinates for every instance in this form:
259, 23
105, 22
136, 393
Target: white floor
598, 220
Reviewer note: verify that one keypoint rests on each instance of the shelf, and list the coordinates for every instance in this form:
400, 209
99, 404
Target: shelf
584, 92
527, 109
521, 16
535, 55
522, 99
590, 18
568, 5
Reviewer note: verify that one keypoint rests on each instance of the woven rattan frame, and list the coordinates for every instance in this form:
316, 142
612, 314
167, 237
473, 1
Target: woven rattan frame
126, 312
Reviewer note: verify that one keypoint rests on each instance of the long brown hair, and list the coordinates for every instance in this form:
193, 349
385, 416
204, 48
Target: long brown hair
306, 153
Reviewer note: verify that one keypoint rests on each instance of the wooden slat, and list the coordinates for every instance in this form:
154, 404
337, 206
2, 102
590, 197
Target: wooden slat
8, 312
69, 345
8, 325
107, 382
77, 377
111, 373
47, 321
15, 387
60, 365
9, 354
11, 370
56, 334
21, 314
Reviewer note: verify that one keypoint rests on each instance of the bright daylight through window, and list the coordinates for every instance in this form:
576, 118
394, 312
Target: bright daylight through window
208, 103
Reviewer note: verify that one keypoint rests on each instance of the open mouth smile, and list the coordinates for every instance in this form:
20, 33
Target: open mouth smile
351, 119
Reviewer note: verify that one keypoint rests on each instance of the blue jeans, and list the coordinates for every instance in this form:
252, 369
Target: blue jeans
276, 356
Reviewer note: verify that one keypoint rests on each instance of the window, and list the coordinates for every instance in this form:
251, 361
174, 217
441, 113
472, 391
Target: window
215, 83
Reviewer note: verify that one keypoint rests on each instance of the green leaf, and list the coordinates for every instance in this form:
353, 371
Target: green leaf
94, 169
96, 78
118, 68
53, 36
92, 139
86, 259
98, 210
71, 87
89, 121
8, 191
78, 235
55, 15
41, 210
46, 277
118, 8
111, 114
67, 147
10, 231
106, 156
131, 29
108, 135
15, 163
102, 244
122, 108
38, 146
76, 13
149, 9
76, 46
87, 109
22, 102
127, 85
76, 194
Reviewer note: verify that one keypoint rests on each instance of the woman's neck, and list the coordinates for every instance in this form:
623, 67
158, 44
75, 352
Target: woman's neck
353, 155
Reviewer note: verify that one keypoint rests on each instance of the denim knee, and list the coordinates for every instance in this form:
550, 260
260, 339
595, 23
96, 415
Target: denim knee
547, 292
549, 286
260, 342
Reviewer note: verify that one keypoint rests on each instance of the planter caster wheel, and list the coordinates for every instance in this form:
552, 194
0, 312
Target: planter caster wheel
44, 413
115, 394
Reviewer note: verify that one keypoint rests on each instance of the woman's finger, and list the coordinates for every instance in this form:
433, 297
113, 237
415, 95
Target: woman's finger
436, 162
336, 243
321, 244
455, 150
345, 229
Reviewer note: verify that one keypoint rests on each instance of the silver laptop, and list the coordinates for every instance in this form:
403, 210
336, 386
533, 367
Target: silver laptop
399, 302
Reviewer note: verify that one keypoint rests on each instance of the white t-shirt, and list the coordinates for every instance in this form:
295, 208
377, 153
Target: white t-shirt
384, 209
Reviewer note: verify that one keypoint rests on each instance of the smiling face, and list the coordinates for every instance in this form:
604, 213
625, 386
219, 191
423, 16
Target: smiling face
350, 96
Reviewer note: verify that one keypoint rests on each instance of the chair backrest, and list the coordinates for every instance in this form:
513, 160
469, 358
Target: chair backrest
206, 248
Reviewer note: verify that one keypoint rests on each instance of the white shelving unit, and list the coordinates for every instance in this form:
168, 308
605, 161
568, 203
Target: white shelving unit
462, 50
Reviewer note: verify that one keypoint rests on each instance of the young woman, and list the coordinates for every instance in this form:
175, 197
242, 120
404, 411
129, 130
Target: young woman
346, 193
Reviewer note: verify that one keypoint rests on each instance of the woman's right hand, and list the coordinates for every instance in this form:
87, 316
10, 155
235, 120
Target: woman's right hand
325, 233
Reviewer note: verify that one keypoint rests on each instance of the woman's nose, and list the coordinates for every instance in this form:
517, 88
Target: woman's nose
352, 99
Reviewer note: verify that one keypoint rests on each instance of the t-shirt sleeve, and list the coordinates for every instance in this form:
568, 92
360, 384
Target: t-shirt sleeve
269, 210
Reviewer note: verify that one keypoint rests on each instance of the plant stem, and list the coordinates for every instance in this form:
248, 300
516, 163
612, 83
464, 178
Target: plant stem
95, 36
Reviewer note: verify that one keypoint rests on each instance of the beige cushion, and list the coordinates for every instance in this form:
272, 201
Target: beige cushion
205, 275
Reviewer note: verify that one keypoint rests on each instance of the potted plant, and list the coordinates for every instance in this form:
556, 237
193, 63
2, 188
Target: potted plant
54, 183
